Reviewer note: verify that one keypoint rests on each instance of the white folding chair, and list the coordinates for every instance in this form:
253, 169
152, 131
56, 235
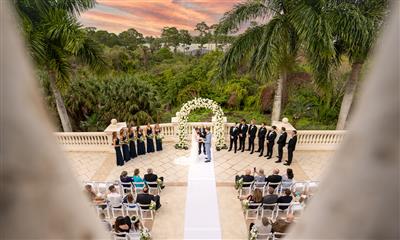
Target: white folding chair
138, 186
260, 185
298, 187
245, 189
275, 186
116, 209
296, 208
134, 236
102, 208
312, 187
279, 210
253, 209
153, 188
120, 236
144, 210
278, 235
131, 208
126, 187
264, 235
268, 210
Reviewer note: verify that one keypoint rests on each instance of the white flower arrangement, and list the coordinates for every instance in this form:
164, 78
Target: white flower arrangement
201, 103
253, 233
144, 234
245, 204
152, 205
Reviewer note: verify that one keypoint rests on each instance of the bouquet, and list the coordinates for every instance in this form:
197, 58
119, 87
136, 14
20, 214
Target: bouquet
245, 204
144, 234
253, 233
159, 182
150, 136
239, 184
160, 136
124, 141
141, 139
152, 205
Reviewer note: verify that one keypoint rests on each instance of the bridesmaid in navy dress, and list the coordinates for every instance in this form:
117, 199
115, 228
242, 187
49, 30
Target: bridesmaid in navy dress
125, 147
118, 153
149, 138
132, 145
157, 131
141, 149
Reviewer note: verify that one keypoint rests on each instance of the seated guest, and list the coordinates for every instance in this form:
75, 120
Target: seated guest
114, 198
136, 224
270, 198
287, 179
151, 177
260, 175
263, 227
137, 178
105, 223
274, 178
125, 179
255, 197
247, 177
129, 199
282, 225
145, 198
287, 198
122, 225
92, 195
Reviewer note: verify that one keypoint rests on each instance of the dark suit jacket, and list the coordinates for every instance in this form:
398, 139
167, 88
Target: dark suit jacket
284, 199
271, 137
151, 178
282, 139
252, 131
126, 181
202, 133
292, 143
234, 132
270, 199
274, 178
243, 129
262, 132
144, 198
247, 178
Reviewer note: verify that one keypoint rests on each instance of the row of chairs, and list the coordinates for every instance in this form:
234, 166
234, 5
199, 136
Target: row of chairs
309, 186
256, 210
271, 236
134, 188
126, 209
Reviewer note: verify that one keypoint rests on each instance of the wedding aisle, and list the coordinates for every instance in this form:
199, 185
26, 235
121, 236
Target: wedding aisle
201, 213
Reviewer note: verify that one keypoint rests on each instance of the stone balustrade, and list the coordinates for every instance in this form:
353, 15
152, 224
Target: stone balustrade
100, 141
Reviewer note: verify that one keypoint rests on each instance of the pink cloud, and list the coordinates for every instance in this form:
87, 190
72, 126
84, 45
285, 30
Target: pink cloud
150, 16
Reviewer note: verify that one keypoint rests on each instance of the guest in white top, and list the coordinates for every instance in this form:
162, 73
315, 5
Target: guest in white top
263, 227
114, 198
287, 179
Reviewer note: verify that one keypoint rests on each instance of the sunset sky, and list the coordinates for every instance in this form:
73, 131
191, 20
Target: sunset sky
150, 16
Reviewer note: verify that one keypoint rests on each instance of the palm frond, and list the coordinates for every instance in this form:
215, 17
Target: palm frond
241, 13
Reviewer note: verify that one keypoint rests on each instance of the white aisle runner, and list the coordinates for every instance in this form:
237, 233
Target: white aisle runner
201, 213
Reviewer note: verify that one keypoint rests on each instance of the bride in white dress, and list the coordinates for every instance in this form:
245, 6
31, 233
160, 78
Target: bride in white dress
193, 157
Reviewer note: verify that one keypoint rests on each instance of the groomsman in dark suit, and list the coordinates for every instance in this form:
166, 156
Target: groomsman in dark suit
270, 141
291, 147
233, 137
281, 143
252, 135
242, 134
261, 138
202, 134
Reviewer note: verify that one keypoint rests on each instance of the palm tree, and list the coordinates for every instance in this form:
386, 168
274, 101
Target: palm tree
332, 28
54, 38
271, 46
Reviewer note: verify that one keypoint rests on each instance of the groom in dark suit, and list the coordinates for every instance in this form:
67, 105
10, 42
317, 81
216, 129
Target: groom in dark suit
202, 134
242, 134
270, 142
291, 147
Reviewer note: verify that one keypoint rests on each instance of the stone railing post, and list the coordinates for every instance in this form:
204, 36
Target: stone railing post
114, 126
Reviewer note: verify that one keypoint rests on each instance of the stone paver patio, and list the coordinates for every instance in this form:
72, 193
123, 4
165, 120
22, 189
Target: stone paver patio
100, 166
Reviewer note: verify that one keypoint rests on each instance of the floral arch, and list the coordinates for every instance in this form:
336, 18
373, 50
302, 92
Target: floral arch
196, 103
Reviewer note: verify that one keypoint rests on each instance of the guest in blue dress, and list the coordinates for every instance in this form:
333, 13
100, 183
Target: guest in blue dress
137, 180
149, 138
141, 149
157, 131
117, 147
125, 147
132, 145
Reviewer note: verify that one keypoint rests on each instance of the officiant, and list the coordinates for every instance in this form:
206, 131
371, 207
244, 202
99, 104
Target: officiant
202, 135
